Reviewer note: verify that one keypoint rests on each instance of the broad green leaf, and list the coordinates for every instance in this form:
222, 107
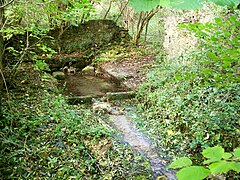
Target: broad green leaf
178, 77
147, 5
165, 3
221, 167
213, 153
206, 70
219, 21
236, 166
236, 153
143, 5
181, 162
229, 3
209, 161
186, 4
227, 155
193, 173
233, 18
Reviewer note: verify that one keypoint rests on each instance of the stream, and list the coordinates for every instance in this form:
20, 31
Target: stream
92, 86
141, 143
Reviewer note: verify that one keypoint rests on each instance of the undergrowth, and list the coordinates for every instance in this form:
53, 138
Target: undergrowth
192, 102
42, 137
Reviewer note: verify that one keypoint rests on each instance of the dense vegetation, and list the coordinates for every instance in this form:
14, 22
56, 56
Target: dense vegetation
188, 103
44, 137
192, 102
41, 135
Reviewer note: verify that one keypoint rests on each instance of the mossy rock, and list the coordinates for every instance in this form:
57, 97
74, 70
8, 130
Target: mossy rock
92, 34
59, 75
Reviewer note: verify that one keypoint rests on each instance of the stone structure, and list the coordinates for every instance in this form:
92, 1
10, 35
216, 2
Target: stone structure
79, 45
178, 40
76, 45
90, 35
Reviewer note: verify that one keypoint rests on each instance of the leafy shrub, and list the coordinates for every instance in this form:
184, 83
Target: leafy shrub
218, 160
192, 102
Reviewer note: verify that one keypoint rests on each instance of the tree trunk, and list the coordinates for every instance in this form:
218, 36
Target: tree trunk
1, 44
146, 31
108, 10
1, 52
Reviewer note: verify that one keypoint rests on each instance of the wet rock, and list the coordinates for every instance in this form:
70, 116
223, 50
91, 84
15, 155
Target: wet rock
88, 70
65, 69
118, 74
98, 72
71, 70
120, 95
59, 75
58, 62
101, 107
117, 111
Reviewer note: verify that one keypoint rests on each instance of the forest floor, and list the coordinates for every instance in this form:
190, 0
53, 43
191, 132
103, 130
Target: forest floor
43, 136
119, 69
131, 70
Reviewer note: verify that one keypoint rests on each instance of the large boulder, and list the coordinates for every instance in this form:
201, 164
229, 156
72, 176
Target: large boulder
79, 45
58, 75
88, 70
90, 35
76, 46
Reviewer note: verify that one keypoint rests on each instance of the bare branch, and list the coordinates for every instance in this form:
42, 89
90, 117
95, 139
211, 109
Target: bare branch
1, 7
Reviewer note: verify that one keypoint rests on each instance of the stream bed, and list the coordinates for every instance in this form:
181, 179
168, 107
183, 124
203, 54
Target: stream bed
92, 86
86, 85
141, 143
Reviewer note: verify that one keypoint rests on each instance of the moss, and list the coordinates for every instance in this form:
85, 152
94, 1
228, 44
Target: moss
94, 33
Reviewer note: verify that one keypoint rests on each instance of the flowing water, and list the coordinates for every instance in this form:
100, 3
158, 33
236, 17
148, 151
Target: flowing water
95, 86
141, 143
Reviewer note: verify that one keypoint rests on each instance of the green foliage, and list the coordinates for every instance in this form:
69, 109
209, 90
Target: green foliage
192, 102
213, 154
147, 5
220, 41
181, 162
43, 137
30, 21
218, 162
193, 173
65, 13
41, 65
228, 3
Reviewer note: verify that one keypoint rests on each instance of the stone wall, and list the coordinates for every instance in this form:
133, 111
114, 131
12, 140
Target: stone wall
178, 40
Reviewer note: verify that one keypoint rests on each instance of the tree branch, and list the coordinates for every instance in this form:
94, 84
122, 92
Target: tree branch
1, 7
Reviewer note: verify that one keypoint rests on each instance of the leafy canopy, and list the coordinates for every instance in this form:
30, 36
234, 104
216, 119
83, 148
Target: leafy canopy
146, 5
